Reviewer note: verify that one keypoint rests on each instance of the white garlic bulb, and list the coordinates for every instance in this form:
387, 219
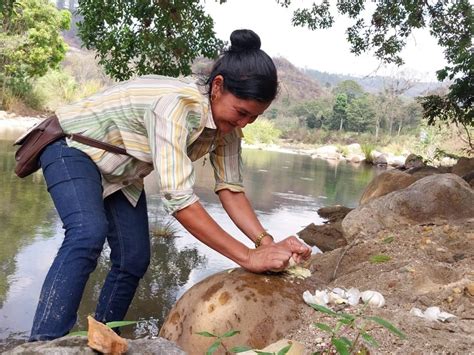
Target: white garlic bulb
373, 298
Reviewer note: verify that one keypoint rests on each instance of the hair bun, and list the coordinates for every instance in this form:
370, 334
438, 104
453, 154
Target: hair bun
244, 40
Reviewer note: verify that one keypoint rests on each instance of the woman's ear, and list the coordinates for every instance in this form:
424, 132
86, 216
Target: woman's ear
217, 85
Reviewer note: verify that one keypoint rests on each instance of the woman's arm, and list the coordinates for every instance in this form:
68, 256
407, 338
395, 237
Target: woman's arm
243, 215
199, 223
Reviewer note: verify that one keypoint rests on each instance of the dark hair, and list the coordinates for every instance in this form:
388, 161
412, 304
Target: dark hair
248, 72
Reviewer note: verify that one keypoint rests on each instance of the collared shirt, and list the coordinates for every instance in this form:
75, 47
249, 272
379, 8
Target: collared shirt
164, 124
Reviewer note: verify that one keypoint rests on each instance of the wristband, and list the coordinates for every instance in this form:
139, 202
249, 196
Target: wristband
258, 240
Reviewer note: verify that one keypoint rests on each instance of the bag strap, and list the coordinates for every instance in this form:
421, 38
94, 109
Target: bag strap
96, 143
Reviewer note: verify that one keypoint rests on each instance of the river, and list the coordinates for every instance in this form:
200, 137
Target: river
285, 189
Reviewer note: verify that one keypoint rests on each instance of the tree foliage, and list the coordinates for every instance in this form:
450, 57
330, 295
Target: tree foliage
386, 32
30, 40
144, 37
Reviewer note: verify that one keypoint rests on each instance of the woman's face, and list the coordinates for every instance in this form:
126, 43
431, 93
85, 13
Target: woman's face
229, 111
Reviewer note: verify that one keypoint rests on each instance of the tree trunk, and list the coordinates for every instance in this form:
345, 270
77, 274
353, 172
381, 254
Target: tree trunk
399, 128
340, 125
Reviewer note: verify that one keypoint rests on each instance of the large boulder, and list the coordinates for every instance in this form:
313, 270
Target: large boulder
262, 307
433, 199
78, 346
327, 152
385, 183
423, 171
414, 161
463, 167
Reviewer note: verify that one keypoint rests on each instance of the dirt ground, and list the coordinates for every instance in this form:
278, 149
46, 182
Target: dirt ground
430, 265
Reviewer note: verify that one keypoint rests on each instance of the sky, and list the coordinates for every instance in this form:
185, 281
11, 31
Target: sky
324, 50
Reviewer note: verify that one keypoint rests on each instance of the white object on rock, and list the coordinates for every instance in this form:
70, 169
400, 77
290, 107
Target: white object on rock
373, 298
320, 297
353, 296
432, 313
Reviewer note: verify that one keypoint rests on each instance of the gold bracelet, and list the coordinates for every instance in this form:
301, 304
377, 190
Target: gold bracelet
258, 240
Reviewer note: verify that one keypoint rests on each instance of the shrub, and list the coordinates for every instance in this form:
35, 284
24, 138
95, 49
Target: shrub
261, 131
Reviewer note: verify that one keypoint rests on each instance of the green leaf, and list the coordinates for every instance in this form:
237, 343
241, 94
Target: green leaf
78, 333
346, 321
213, 347
284, 350
388, 240
347, 341
122, 323
388, 325
230, 333
324, 310
346, 316
369, 339
263, 352
379, 258
323, 327
341, 346
207, 334
240, 349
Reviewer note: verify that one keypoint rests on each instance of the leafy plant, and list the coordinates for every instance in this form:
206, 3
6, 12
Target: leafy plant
346, 322
111, 325
237, 349
261, 131
367, 149
379, 258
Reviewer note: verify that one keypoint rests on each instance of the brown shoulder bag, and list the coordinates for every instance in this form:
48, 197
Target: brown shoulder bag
33, 142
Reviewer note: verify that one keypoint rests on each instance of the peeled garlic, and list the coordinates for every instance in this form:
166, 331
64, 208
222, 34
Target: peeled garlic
432, 313
320, 297
373, 298
353, 296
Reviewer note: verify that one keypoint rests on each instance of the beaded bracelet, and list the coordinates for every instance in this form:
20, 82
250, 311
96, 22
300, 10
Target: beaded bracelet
258, 240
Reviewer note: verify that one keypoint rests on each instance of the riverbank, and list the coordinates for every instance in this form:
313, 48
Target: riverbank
11, 125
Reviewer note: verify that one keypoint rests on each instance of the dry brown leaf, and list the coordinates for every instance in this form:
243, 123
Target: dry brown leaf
104, 339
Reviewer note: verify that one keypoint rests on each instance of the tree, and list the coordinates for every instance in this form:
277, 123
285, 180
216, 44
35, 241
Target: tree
144, 37
360, 114
450, 22
30, 40
339, 111
349, 87
314, 112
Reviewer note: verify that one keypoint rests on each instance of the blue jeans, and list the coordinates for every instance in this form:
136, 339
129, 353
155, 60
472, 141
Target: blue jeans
74, 183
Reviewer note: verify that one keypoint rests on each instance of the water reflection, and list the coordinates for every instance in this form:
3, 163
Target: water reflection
285, 190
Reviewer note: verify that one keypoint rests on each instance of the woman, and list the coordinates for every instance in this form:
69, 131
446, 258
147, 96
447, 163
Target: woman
164, 124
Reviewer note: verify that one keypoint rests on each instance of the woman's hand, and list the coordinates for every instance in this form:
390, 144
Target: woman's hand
300, 251
276, 256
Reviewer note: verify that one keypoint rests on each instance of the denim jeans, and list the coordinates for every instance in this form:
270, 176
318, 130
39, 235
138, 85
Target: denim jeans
74, 183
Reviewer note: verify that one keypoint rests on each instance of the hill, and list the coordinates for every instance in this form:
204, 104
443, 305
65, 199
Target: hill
372, 84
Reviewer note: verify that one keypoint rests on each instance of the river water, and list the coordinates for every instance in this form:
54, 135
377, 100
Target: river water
285, 189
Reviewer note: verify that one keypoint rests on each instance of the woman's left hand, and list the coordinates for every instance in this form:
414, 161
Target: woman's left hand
300, 251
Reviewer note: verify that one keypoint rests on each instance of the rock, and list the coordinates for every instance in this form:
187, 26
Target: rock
354, 148
334, 213
296, 348
469, 178
263, 307
414, 161
327, 152
70, 345
435, 198
356, 158
423, 171
463, 167
326, 237
380, 160
385, 183
396, 161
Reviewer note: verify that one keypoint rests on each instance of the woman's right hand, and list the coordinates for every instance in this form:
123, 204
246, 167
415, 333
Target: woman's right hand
276, 256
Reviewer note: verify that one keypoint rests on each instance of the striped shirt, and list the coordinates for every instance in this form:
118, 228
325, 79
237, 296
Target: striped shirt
164, 124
